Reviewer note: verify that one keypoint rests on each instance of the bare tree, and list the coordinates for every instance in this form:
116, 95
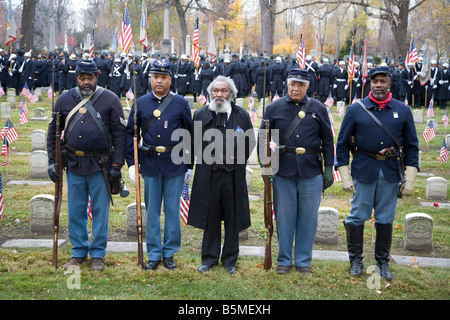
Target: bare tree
27, 25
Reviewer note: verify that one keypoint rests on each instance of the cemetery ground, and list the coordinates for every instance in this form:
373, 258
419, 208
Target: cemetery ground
27, 273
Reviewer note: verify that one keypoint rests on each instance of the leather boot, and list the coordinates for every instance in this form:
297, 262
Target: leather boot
383, 248
355, 242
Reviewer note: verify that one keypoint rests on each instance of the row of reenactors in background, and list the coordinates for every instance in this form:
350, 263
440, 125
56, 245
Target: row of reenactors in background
115, 73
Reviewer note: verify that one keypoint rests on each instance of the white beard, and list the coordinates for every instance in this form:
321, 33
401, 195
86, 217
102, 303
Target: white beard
225, 106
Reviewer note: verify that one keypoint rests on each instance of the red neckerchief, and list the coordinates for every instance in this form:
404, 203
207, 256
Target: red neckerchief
381, 104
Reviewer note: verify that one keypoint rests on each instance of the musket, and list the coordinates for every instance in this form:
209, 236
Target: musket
59, 182
136, 168
268, 218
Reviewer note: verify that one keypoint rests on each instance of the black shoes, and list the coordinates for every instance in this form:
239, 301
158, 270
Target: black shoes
205, 267
169, 263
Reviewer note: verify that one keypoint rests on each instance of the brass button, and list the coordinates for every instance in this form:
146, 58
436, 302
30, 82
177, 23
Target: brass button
159, 136
80, 137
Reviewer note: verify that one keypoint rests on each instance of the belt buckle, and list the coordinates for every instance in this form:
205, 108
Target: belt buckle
79, 153
160, 149
380, 157
300, 150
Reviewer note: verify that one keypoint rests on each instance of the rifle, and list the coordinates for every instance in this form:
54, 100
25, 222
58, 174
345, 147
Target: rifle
136, 168
268, 219
59, 182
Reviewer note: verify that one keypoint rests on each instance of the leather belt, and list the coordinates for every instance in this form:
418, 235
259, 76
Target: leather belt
81, 153
377, 156
301, 150
149, 150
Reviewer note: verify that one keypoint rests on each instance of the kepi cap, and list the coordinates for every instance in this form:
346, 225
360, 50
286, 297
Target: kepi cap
86, 66
161, 66
379, 70
300, 75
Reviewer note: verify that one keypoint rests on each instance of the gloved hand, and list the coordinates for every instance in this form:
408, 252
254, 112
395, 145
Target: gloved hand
327, 177
346, 87
346, 178
188, 176
52, 173
132, 173
407, 188
115, 174
334, 86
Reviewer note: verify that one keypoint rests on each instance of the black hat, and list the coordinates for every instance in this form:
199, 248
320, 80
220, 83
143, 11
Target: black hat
379, 70
161, 66
86, 66
297, 74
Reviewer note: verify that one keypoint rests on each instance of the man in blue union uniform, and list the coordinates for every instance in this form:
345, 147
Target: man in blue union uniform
95, 143
162, 177
376, 170
297, 186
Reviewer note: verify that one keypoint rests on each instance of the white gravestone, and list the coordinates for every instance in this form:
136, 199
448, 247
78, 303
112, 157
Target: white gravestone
436, 188
39, 164
132, 221
39, 140
327, 226
41, 213
418, 231
39, 115
6, 110
418, 116
190, 100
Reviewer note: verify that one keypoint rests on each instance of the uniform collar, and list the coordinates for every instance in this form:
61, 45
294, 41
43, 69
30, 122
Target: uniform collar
154, 96
303, 101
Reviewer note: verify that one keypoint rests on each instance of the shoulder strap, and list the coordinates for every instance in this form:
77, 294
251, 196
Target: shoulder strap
294, 124
78, 106
389, 133
161, 108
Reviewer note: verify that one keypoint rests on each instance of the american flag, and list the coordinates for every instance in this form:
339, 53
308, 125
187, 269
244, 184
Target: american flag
33, 97
336, 175
25, 91
301, 53
9, 132
330, 116
50, 92
412, 57
5, 151
23, 106
341, 110
89, 211
1, 197
202, 98
22, 117
91, 46
406, 100
430, 111
144, 25
195, 49
429, 132
2, 92
130, 95
316, 48
351, 65
276, 97
126, 37
329, 102
445, 119
443, 156
184, 203
251, 106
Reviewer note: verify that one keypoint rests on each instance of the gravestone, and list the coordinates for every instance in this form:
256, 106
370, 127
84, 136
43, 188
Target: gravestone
6, 110
131, 219
41, 213
418, 231
11, 92
39, 140
39, 164
39, 115
190, 100
418, 116
327, 226
436, 188
240, 102
447, 140
340, 104
126, 112
249, 178
12, 101
435, 124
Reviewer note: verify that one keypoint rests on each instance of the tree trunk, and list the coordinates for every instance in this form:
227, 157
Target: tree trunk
267, 25
183, 25
27, 24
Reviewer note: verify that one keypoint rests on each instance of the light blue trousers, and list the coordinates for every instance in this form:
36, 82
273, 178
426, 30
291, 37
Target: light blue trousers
380, 195
79, 188
296, 205
157, 188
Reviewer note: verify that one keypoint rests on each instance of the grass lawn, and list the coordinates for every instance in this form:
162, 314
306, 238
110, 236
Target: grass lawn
27, 274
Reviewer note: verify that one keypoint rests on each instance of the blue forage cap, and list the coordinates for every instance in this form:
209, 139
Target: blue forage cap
86, 66
379, 70
161, 66
297, 74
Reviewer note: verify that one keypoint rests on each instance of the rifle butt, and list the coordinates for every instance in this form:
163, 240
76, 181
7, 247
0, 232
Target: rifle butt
138, 203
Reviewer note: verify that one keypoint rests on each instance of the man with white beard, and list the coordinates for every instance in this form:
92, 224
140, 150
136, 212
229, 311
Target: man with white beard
219, 190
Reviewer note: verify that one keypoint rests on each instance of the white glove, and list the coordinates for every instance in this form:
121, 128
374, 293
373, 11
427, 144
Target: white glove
435, 86
346, 179
132, 173
441, 81
10, 74
346, 87
407, 188
415, 77
334, 86
188, 176
409, 82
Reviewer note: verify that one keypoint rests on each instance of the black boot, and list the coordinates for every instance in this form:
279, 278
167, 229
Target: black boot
382, 249
355, 242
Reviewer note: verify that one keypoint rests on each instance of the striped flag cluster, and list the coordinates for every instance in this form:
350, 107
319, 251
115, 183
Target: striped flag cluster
301, 53
429, 132
126, 37
195, 48
184, 203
